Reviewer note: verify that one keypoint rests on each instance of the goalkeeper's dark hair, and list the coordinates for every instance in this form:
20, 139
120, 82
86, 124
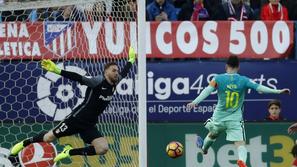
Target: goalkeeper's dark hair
233, 61
109, 64
294, 150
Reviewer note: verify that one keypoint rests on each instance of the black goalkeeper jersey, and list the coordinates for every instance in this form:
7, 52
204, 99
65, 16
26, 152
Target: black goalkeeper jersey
98, 95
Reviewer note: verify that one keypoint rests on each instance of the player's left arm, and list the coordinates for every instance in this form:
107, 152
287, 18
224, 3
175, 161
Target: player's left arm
131, 61
204, 94
264, 89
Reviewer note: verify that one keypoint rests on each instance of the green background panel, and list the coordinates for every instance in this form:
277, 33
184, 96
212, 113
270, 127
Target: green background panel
268, 144
260, 136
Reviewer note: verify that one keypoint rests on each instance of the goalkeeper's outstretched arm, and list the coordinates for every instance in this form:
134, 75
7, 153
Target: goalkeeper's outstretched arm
52, 67
91, 82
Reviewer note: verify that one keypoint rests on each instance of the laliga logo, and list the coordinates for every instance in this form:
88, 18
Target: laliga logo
38, 155
64, 93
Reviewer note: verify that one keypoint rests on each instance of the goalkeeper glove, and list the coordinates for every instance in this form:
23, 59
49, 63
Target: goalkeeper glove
50, 66
132, 55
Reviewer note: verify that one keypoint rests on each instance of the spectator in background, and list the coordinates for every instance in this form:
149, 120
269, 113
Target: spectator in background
199, 13
44, 14
256, 6
33, 15
117, 10
63, 13
212, 7
193, 10
291, 6
234, 10
186, 11
274, 110
15, 15
85, 12
132, 8
294, 153
274, 11
146, 15
179, 3
99, 11
161, 10
124, 10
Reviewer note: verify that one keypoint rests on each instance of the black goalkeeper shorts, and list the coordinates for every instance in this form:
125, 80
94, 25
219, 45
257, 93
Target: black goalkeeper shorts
70, 126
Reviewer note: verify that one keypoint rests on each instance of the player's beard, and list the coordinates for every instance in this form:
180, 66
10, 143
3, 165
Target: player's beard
114, 79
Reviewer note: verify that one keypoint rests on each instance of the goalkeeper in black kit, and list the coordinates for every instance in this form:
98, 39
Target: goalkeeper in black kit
84, 117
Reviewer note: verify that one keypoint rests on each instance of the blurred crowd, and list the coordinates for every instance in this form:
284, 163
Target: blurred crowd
160, 10
104, 10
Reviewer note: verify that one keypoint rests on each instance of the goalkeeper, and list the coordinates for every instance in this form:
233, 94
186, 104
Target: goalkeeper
84, 117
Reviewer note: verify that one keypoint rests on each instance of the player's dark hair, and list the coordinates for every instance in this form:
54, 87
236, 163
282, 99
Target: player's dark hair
274, 102
233, 61
109, 64
294, 150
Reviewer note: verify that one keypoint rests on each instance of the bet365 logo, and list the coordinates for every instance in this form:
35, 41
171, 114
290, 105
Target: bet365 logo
38, 155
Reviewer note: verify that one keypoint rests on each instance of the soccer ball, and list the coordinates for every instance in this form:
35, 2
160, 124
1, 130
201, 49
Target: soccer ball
174, 149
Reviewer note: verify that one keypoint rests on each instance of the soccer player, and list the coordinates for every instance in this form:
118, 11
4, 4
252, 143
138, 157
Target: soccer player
227, 116
84, 117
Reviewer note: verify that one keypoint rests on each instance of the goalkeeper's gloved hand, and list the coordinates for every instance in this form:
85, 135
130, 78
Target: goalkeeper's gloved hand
132, 55
50, 66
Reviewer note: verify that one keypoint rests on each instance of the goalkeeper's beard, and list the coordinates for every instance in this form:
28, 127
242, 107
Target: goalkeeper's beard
113, 79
